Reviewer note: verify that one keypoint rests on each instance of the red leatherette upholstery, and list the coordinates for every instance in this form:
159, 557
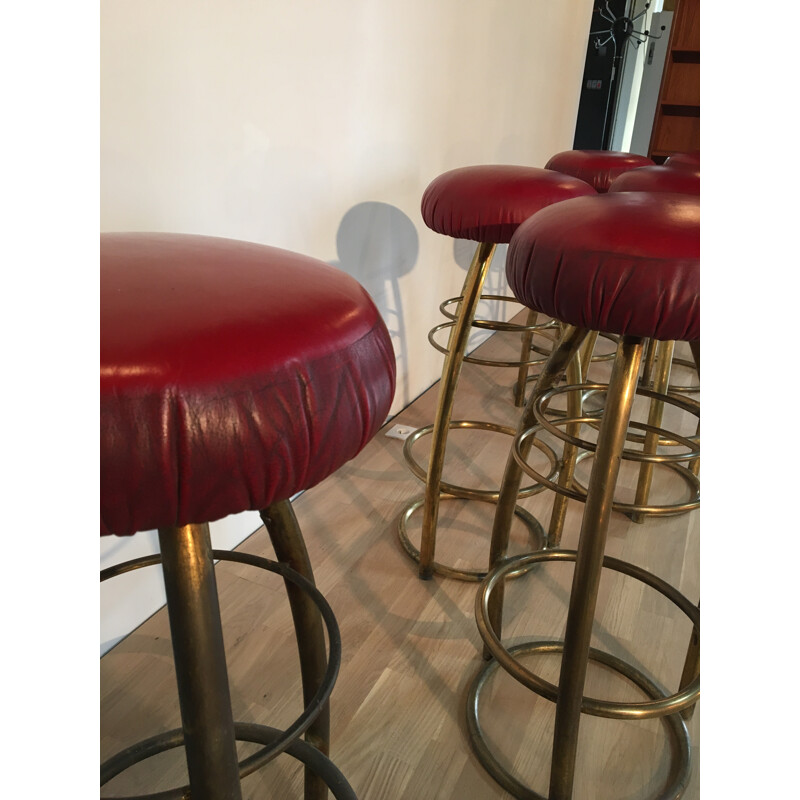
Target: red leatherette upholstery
487, 203
625, 263
597, 167
232, 375
659, 179
680, 160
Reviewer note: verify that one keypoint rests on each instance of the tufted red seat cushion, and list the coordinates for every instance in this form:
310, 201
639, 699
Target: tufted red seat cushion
232, 375
680, 160
486, 203
597, 167
624, 263
658, 179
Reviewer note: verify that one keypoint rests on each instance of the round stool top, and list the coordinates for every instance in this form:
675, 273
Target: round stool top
486, 203
597, 167
658, 179
232, 376
624, 263
679, 160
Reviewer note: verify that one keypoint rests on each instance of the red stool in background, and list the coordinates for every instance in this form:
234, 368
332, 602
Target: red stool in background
680, 160
682, 177
485, 204
597, 167
627, 263
232, 376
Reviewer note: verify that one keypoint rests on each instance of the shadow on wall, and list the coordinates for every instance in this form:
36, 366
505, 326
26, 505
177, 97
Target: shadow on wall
377, 244
496, 285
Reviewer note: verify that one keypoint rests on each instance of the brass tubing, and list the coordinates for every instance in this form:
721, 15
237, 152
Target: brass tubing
694, 466
691, 667
661, 372
570, 453
451, 371
522, 375
649, 360
589, 563
563, 353
587, 352
290, 549
200, 668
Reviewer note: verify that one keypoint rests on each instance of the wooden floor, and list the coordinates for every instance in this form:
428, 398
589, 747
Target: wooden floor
411, 647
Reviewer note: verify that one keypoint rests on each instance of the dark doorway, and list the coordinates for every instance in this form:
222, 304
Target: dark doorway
596, 106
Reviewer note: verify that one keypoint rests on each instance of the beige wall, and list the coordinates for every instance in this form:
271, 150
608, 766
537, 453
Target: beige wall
315, 125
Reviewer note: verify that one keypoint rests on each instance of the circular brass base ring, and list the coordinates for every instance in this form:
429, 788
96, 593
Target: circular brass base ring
537, 539
674, 723
463, 491
276, 742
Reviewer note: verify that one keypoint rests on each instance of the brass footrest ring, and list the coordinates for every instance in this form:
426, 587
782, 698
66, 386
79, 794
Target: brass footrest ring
537, 538
590, 705
462, 491
692, 443
485, 362
578, 492
671, 510
496, 324
675, 725
276, 745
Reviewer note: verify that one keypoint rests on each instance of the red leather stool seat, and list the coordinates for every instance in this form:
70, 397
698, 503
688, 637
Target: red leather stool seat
658, 179
597, 167
486, 203
624, 263
680, 160
233, 375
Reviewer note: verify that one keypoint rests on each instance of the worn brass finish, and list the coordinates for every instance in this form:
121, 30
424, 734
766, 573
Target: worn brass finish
676, 728
589, 558
290, 549
451, 371
462, 491
563, 353
200, 667
687, 695
586, 579
318, 668
664, 352
535, 530
541, 330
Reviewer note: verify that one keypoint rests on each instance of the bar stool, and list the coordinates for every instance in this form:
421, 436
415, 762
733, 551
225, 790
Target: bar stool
485, 204
682, 177
626, 263
599, 168
680, 160
232, 376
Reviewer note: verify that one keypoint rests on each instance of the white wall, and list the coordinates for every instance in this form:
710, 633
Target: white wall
315, 125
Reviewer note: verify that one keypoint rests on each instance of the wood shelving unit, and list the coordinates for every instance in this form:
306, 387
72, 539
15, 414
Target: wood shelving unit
676, 128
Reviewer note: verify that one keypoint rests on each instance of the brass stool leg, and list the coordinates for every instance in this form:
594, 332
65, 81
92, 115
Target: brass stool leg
588, 565
691, 667
661, 372
525, 354
563, 355
694, 466
290, 549
570, 454
649, 361
473, 285
587, 351
202, 675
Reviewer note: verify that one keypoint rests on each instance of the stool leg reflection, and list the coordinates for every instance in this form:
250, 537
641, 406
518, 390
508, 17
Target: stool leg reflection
202, 675
588, 566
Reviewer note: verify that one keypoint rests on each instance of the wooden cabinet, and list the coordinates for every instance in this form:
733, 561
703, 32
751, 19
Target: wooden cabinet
676, 127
